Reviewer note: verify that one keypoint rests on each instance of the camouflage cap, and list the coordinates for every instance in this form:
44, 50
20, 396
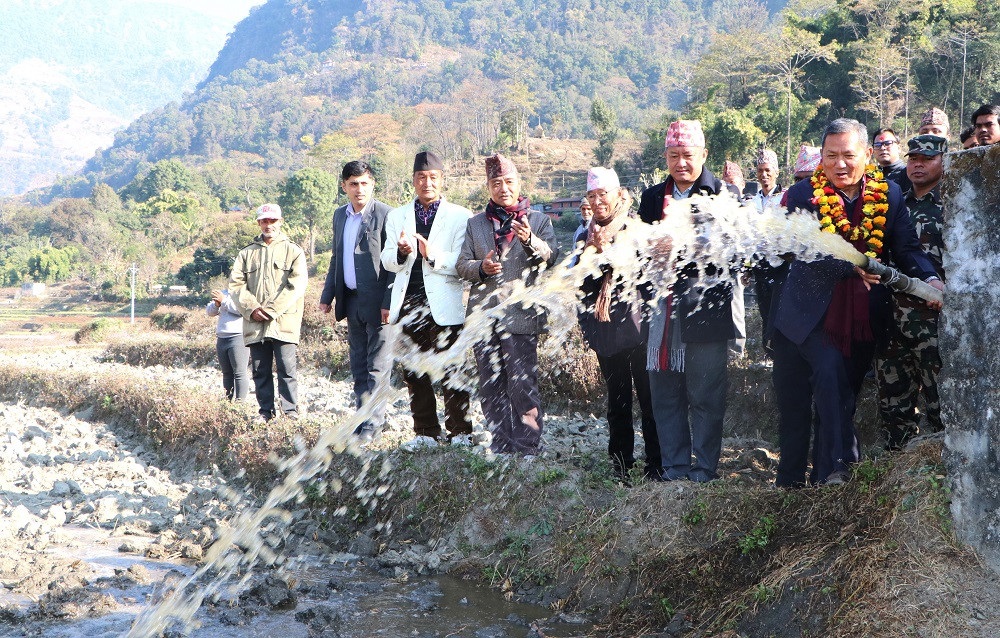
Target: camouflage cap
928, 145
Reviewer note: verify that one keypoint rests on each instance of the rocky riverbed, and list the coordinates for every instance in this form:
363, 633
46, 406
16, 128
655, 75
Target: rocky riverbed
95, 527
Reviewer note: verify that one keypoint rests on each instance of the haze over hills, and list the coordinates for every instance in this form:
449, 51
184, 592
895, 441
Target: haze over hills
72, 72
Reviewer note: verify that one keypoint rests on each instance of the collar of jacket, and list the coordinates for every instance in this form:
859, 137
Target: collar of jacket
706, 184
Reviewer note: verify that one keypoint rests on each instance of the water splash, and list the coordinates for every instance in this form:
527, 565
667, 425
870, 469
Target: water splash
701, 230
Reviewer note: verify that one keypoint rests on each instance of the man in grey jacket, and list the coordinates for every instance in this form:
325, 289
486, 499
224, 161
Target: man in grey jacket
506, 243
357, 286
268, 286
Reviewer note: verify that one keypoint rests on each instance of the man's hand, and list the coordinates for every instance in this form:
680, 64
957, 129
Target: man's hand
324, 308
522, 230
421, 245
936, 283
491, 266
385, 316
867, 278
218, 297
259, 315
403, 245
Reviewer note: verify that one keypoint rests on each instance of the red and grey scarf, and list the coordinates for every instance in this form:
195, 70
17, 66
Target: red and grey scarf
502, 218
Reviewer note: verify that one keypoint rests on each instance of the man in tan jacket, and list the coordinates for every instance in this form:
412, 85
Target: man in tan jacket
268, 285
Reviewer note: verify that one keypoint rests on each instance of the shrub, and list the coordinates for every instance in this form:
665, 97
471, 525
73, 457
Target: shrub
169, 317
97, 330
166, 350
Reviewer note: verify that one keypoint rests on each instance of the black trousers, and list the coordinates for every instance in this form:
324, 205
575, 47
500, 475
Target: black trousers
623, 373
810, 376
428, 336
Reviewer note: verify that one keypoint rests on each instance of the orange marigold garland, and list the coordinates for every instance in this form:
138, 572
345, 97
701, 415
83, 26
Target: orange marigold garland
833, 218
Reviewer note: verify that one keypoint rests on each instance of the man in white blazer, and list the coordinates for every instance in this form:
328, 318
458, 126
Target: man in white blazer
423, 240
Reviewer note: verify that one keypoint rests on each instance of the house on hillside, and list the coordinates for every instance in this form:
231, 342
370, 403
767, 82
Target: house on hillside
33, 289
557, 207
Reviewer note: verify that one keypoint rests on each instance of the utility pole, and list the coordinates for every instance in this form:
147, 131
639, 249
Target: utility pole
133, 269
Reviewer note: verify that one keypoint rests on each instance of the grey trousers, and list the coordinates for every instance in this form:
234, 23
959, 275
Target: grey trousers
689, 408
365, 341
265, 356
233, 359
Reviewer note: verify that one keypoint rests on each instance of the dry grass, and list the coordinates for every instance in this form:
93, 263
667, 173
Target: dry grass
184, 424
154, 349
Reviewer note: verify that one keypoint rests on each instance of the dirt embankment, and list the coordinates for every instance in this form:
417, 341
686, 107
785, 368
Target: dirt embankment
130, 451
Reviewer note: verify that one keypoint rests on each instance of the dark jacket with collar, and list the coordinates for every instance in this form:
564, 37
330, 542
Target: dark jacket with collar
374, 282
897, 173
625, 330
803, 295
709, 316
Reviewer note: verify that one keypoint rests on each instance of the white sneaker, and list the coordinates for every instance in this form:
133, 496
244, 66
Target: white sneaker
418, 443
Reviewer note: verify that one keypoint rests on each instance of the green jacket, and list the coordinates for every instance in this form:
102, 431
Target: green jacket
272, 277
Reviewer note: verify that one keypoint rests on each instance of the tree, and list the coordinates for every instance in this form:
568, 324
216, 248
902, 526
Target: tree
606, 123
879, 75
161, 176
790, 55
310, 194
205, 265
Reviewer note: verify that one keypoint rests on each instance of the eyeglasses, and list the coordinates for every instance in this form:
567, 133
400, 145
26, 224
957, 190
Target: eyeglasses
884, 143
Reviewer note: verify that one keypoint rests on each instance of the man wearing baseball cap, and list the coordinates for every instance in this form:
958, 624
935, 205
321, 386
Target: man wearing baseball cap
268, 286
909, 365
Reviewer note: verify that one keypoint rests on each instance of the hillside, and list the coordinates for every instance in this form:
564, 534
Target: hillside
450, 73
74, 72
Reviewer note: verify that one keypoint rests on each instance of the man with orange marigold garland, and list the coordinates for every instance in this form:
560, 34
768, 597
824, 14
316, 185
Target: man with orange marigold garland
829, 314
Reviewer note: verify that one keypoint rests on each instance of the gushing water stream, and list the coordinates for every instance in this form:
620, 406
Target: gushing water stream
699, 230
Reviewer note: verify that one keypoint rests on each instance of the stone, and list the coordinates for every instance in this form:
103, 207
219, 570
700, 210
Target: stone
191, 551
969, 384
60, 489
33, 431
272, 593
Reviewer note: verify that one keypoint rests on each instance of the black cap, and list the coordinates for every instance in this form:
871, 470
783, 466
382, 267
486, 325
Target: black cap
427, 161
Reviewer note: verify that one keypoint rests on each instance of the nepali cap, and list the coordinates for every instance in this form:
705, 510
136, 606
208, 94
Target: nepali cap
766, 156
927, 145
269, 211
600, 177
685, 133
499, 166
934, 117
731, 171
808, 159
427, 161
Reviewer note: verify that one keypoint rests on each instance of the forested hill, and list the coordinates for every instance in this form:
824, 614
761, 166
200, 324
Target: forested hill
297, 69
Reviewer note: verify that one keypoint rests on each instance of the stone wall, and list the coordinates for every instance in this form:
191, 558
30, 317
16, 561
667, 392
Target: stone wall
970, 346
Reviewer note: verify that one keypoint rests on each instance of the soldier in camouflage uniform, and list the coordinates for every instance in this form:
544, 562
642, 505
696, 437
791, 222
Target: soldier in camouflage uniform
910, 364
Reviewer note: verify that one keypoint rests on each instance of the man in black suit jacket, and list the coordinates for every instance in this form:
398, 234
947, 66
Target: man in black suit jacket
828, 315
358, 287
689, 330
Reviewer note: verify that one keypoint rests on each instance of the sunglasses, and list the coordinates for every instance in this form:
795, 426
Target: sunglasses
883, 144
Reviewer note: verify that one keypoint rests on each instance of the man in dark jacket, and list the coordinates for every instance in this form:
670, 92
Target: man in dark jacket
888, 154
829, 314
690, 328
357, 287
